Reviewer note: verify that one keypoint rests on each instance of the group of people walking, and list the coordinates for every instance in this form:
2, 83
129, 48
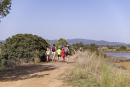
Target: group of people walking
62, 51
76, 50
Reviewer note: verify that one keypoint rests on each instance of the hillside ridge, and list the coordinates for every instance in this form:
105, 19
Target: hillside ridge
87, 41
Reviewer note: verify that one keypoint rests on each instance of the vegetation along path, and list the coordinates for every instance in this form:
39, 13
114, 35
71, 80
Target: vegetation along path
43, 75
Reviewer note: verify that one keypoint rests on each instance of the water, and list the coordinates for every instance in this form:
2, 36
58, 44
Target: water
119, 54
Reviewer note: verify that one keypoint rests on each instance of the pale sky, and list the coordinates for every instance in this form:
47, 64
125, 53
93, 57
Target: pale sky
107, 20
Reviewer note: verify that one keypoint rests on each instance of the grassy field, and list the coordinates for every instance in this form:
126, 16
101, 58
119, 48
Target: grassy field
94, 71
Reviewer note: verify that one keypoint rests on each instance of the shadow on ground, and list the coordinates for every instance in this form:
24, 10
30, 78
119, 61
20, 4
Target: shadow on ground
71, 62
24, 72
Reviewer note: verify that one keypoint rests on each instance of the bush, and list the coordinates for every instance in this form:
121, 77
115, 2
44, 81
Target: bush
123, 47
118, 50
24, 46
71, 51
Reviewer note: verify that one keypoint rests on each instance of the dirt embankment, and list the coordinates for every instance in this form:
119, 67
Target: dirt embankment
43, 75
121, 62
125, 64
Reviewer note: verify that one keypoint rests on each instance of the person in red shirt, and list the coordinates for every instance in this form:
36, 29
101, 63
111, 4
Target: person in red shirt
63, 54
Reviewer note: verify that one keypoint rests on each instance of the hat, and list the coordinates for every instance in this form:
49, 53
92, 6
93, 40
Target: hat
67, 45
59, 47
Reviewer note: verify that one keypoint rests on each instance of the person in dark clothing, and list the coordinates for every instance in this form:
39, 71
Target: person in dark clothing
61, 47
53, 52
67, 53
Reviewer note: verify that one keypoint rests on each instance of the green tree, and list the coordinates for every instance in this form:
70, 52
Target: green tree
62, 42
78, 45
24, 46
5, 6
81, 44
93, 45
122, 47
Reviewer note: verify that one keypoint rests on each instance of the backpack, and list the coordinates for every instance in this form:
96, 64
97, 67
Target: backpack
61, 47
67, 50
53, 49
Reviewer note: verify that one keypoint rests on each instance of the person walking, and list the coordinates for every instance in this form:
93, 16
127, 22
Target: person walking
76, 50
65, 49
63, 55
67, 53
53, 52
59, 53
80, 49
61, 47
48, 54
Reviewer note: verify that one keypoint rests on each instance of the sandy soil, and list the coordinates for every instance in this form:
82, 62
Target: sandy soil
43, 75
126, 64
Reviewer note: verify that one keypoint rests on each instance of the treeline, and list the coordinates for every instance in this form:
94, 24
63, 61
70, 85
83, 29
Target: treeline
119, 47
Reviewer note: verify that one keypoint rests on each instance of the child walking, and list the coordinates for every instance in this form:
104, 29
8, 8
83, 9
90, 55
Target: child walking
63, 55
59, 53
48, 54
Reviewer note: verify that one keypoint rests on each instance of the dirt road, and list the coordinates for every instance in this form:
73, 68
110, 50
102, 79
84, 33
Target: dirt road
43, 75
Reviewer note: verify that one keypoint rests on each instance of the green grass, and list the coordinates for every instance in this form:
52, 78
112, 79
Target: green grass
93, 71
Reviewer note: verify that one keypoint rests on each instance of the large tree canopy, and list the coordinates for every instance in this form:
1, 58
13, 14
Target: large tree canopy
93, 45
123, 47
62, 42
24, 46
5, 6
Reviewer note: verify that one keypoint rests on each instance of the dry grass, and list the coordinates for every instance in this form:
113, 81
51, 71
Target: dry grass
36, 60
93, 71
10, 64
114, 59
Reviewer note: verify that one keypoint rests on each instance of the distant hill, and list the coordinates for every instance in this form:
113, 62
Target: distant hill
3, 41
86, 41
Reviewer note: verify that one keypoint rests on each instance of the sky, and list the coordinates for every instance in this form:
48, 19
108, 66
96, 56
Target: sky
107, 20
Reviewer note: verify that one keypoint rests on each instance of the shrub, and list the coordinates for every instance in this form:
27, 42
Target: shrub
71, 51
24, 46
123, 47
118, 50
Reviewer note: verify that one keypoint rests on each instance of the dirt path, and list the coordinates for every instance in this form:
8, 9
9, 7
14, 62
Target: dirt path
44, 75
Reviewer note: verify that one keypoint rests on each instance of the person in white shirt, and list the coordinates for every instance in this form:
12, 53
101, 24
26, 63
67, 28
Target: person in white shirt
48, 54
